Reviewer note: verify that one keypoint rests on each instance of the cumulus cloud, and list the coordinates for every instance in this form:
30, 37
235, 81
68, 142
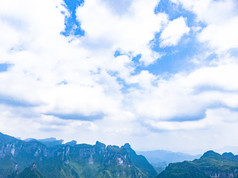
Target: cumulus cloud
42, 59
220, 18
221, 37
173, 32
60, 75
52, 75
130, 31
188, 95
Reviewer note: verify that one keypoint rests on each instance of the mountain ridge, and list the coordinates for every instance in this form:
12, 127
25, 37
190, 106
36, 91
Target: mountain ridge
211, 164
71, 160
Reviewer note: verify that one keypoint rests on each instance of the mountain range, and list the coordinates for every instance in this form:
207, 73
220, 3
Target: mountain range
211, 164
53, 159
48, 158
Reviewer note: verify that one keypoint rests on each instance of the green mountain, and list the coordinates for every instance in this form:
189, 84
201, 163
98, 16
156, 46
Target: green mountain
29, 172
71, 160
211, 164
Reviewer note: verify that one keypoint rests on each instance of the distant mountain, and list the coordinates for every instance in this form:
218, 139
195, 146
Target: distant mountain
161, 158
51, 142
211, 164
69, 160
233, 149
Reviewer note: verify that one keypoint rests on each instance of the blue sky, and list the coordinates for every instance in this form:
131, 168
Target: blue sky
155, 73
72, 26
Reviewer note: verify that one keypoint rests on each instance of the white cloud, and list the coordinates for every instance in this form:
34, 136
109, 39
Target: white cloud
213, 118
209, 11
131, 31
42, 59
173, 32
221, 37
188, 95
42, 126
216, 134
83, 77
220, 17
143, 79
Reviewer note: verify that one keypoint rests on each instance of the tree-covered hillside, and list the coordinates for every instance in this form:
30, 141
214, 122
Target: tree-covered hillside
211, 164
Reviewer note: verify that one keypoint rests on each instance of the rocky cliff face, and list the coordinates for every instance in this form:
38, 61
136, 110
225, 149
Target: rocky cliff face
71, 160
221, 174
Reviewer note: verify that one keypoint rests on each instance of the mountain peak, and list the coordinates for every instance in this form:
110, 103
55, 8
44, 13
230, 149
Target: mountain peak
211, 154
127, 145
228, 155
71, 143
99, 143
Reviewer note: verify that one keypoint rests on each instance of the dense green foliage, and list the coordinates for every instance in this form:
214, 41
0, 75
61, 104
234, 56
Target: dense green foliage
185, 169
30, 172
69, 160
211, 164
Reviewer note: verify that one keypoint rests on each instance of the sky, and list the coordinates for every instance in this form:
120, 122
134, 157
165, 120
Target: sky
158, 74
